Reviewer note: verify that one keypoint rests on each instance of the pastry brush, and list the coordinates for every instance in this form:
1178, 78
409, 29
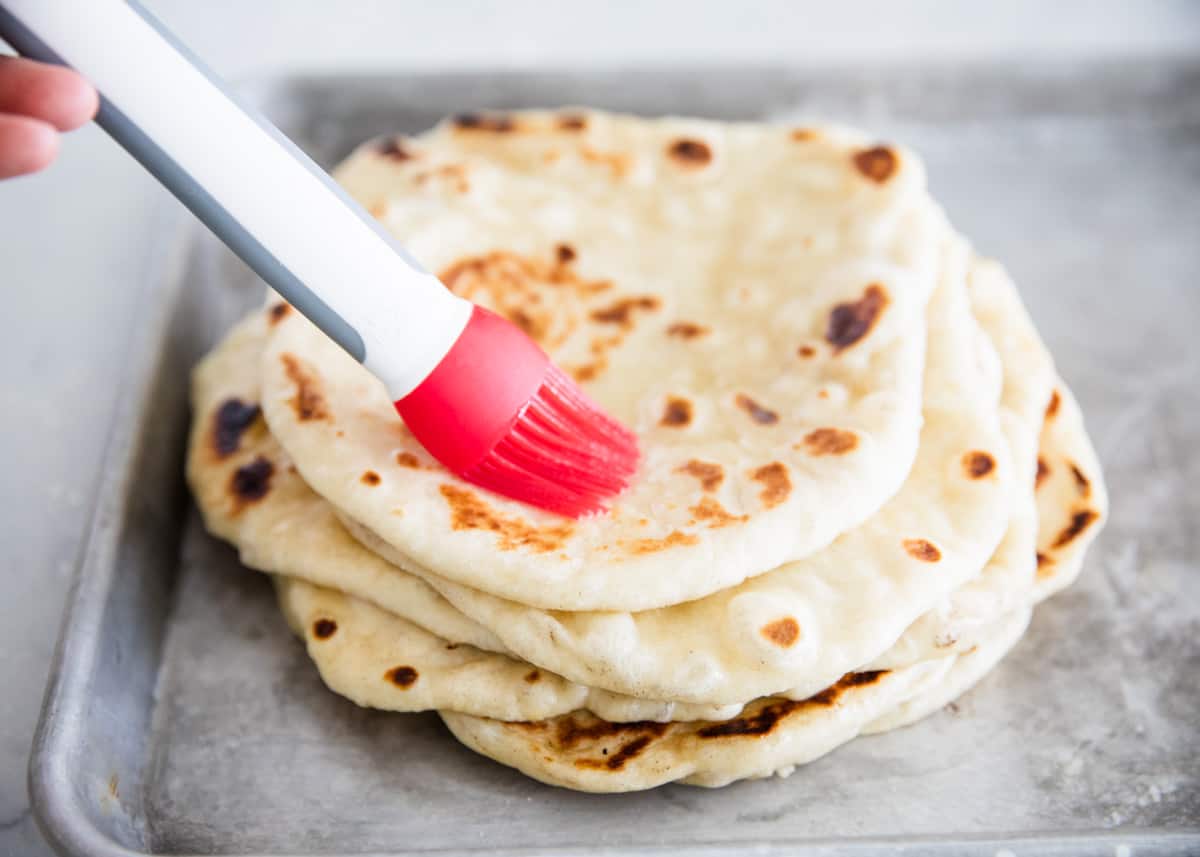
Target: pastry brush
478, 394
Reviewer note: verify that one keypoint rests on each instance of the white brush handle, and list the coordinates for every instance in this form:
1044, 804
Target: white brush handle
255, 189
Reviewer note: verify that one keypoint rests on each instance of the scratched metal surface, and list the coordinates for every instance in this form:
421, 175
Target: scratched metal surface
183, 718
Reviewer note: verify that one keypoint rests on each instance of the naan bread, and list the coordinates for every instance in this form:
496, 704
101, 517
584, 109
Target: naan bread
378, 660
583, 752
798, 628
749, 300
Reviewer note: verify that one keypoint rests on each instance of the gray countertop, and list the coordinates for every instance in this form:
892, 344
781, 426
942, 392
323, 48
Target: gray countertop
72, 250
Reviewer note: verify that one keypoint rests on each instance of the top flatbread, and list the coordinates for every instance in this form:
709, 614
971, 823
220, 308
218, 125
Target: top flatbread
748, 299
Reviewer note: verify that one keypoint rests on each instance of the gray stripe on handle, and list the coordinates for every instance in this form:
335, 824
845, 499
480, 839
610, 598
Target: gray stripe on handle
278, 136
196, 198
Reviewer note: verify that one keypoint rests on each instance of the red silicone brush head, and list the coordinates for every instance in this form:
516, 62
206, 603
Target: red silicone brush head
497, 413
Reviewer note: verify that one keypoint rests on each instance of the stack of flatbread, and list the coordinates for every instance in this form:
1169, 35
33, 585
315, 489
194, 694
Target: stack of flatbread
860, 471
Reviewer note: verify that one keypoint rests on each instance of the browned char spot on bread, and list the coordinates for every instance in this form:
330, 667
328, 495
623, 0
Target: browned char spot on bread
782, 632
922, 549
468, 511
877, 163
230, 421
572, 122
323, 629
829, 441
584, 732
677, 412
575, 729
1043, 470
393, 149
673, 539
309, 401
715, 515
549, 300
977, 464
617, 163
402, 676
529, 291
278, 312
621, 312
851, 321
616, 761
564, 253
776, 482
861, 679
494, 122
1053, 405
588, 371
1080, 521
1043, 565
770, 713
1082, 485
251, 482
690, 153
686, 330
762, 415
762, 722
710, 474
830, 695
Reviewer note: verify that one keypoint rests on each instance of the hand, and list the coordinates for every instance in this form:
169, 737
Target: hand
36, 102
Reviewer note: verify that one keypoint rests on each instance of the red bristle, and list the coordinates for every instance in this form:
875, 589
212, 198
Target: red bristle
499, 414
563, 453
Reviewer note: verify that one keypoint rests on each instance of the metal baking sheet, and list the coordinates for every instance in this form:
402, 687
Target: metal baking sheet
183, 718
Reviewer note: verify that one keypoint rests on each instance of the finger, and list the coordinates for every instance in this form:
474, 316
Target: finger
48, 92
26, 145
